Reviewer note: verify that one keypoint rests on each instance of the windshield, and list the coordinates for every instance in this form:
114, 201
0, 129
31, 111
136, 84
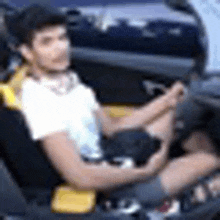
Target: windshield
63, 3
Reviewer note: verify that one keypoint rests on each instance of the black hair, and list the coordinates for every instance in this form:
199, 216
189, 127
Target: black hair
22, 24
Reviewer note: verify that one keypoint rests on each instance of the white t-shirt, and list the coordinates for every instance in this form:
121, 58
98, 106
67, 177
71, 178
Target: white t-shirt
47, 113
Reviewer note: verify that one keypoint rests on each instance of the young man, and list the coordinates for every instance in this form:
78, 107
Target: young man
63, 113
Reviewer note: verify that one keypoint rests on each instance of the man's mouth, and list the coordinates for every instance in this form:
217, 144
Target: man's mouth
61, 59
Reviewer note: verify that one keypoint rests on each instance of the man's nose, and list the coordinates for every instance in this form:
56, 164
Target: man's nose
61, 46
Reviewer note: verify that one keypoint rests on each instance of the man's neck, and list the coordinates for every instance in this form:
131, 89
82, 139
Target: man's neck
40, 74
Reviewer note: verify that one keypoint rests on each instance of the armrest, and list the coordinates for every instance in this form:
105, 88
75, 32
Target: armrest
67, 200
118, 111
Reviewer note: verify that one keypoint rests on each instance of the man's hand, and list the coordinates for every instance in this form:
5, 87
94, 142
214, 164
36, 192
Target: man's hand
158, 160
176, 93
177, 88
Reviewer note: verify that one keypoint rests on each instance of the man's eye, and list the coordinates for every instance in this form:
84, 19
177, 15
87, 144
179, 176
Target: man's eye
46, 41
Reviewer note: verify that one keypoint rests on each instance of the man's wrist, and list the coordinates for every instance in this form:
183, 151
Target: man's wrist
147, 173
171, 100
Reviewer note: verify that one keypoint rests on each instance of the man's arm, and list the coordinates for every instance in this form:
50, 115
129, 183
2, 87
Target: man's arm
142, 116
66, 159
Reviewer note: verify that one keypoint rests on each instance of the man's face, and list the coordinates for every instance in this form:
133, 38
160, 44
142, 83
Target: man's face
51, 49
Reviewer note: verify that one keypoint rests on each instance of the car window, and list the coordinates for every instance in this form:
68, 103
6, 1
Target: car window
151, 28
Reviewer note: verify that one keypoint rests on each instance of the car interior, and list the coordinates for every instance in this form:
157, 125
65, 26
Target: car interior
30, 188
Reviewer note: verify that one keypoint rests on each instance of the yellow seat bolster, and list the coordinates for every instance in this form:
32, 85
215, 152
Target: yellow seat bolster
18, 78
9, 97
118, 111
67, 200
13, 87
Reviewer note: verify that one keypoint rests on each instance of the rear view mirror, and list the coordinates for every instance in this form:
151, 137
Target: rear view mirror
179, 5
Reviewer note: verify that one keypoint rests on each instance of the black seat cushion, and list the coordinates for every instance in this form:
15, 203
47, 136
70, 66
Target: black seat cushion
24, 157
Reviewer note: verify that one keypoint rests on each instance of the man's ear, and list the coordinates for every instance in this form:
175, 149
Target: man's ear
26, 52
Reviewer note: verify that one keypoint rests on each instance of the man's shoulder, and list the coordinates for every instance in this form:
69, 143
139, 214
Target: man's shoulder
32, 90
78, 84
28, 81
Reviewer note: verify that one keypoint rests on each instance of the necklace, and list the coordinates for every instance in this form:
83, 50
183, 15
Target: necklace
60, 86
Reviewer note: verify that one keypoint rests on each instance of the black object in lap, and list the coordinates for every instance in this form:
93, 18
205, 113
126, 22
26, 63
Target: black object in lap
138, 146
130, 143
